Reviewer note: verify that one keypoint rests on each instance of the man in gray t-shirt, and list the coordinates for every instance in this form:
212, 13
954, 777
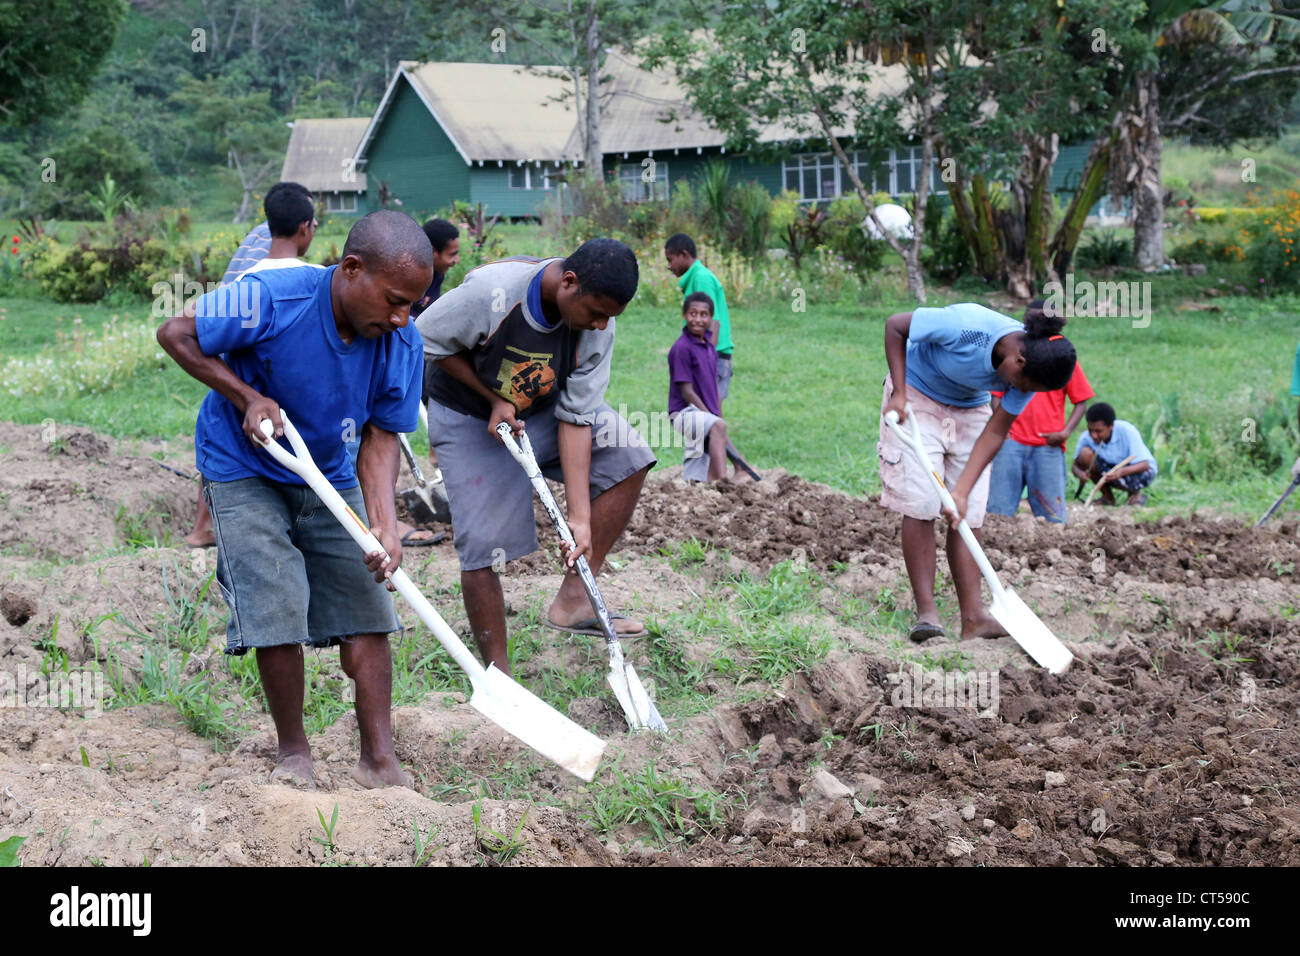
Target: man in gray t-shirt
528, 342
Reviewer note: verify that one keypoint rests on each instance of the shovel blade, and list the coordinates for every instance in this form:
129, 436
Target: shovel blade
1030, 632
426, 505
537, 724
632, 696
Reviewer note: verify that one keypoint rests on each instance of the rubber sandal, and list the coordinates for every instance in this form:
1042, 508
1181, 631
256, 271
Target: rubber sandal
408, 541
591, 627
923, 631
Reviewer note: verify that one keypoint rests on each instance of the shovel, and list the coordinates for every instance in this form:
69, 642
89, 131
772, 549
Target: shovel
638, 708
495, 696
427, 501
1034, 637
1295, 483
1103, 479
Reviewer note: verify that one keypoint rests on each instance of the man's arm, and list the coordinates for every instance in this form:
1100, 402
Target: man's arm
692, 397
986, 448
575, 463
179, 338
377, 464
897, 328
1061, 437
459, 368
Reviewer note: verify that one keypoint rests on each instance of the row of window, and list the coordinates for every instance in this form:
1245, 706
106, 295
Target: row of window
814, 176
819, 176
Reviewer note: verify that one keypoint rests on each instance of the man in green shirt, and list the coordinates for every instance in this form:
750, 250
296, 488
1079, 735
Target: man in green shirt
1295, 390
694, 276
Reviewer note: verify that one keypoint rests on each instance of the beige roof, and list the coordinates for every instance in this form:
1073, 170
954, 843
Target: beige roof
320, 152
495, 111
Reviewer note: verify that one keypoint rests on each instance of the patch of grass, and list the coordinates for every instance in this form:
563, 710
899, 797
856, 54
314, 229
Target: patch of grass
954, 659
185, 622
424, 848
133, 529
685, 555
161, 680
661, 803
495, 846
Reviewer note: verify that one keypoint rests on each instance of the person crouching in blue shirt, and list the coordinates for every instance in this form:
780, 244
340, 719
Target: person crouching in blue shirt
333, 348
1107, 442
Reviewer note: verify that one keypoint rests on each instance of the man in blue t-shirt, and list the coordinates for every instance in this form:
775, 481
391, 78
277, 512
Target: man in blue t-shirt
1099, 451
334, 349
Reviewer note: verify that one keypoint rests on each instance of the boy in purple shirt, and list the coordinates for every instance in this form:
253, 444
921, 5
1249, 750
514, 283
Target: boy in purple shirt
693, 405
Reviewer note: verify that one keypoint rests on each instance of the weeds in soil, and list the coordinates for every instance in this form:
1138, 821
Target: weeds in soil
424, 848
134, 531
685, 555
160, 680
494, 846
327, 841
950, 660
664, 804
184, 623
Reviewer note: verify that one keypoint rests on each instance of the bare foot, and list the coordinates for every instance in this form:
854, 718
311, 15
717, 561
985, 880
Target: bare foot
380, 772
294, 770
986, 626
201, 539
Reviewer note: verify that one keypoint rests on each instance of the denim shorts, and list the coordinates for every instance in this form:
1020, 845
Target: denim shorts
724, 375
1040, 468
491, 498
290, 573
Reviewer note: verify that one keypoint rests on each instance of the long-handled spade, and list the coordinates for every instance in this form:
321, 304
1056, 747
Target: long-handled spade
1104, 479
638, 708
495, 696
1011, 612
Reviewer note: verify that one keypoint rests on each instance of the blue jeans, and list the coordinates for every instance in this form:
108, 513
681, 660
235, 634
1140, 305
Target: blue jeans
1040, 468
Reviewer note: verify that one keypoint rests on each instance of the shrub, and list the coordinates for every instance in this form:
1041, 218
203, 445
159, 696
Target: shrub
1105, 248
1274, 249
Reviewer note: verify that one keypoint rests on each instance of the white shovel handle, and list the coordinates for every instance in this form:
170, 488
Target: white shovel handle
302, 465
522, 452
917, 445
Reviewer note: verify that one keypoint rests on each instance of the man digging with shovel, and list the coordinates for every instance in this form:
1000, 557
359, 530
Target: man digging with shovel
334, 348
530, 340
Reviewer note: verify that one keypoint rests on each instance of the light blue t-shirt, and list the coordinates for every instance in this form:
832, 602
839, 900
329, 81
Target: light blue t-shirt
950, 356
253, 249
277, 330
1124, 441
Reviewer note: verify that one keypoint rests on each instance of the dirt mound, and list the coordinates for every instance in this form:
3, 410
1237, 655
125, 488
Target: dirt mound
1137, 756
1171, 741
77, 495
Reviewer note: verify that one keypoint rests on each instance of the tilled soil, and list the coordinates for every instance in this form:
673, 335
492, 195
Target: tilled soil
1173, 740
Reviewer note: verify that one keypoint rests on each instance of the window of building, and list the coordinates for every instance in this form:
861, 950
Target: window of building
340, 202
529, 177
643, 182
817, 176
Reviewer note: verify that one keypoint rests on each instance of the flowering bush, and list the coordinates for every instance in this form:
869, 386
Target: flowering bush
85, 363
1274, 249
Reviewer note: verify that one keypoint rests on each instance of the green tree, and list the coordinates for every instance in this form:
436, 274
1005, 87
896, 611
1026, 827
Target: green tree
50, 52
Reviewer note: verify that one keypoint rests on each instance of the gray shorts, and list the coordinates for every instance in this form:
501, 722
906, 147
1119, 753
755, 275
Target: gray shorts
724, 376
290, 573
490, 496
695, 424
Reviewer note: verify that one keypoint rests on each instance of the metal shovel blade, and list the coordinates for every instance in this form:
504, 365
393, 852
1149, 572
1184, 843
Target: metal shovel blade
537, 724
426, 505
631, 694
1035, 637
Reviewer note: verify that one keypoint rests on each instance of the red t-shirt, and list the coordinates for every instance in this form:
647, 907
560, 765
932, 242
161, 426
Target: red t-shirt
1046, 410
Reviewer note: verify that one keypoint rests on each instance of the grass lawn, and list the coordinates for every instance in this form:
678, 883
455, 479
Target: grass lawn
806, 393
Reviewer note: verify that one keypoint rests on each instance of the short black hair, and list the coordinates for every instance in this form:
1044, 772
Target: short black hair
680, 242
385, 237
288, 206
440, 232
1101, 412
1049, 356
605, 267
702, 297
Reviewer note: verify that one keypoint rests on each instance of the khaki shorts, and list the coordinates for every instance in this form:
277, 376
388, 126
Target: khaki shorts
949, 434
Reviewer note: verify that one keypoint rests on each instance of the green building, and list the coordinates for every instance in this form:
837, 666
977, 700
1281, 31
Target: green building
503, 135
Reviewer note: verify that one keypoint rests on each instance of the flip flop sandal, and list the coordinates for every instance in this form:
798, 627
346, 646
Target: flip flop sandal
591, 628
408, 541
922, 631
